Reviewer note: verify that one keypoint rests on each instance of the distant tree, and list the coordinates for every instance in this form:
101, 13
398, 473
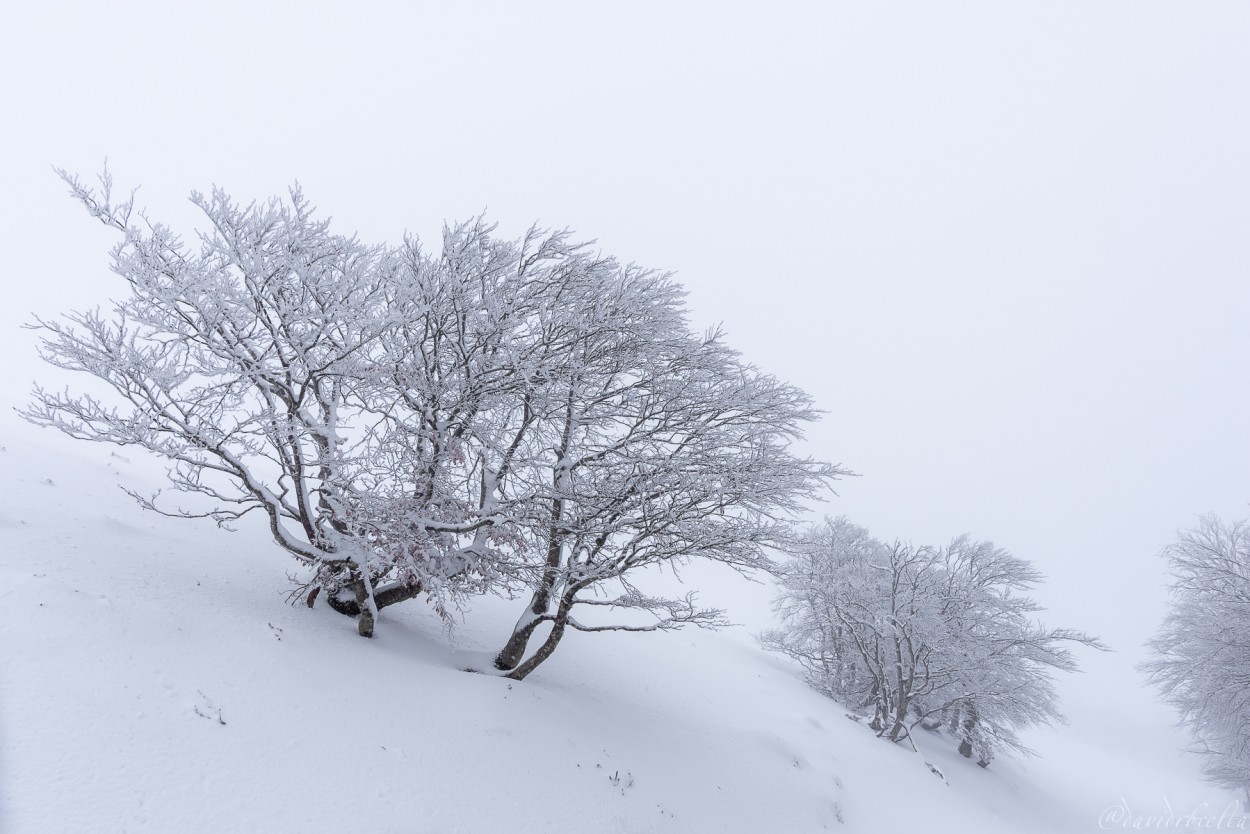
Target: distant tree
995, 659
1201, 659
941, 637
527, 415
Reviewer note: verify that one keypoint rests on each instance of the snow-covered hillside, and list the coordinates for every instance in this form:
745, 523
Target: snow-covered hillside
154, 679
1002, 245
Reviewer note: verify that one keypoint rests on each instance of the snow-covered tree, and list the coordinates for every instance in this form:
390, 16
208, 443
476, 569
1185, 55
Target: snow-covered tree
994, 660
451, 393
256, 362
658, 446
941, 637
233, 361
524, 415
1201, 660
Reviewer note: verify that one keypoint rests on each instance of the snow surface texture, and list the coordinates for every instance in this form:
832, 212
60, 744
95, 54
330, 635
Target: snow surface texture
153, 678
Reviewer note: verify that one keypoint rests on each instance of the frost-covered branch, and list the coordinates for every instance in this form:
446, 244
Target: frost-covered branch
482, 415
669, 613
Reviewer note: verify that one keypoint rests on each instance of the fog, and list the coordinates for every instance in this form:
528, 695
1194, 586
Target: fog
1003, 245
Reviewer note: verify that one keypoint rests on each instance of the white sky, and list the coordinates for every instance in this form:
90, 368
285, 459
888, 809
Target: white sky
1004, 245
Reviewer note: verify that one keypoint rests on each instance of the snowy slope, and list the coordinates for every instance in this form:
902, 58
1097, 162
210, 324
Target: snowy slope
153, 678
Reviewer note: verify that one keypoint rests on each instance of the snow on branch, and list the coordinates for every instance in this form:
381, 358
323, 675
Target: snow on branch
480, 415
669, 613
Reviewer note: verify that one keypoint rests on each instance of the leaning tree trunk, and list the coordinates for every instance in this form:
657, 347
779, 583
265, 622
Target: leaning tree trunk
968, 729
559, 623
512, 652
536, 613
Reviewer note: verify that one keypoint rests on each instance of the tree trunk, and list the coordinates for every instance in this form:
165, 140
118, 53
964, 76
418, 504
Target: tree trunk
535, 614
968, 727
544, 652
512, 652
898, 731
364, 625
389, 595
902, 702
559, 624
